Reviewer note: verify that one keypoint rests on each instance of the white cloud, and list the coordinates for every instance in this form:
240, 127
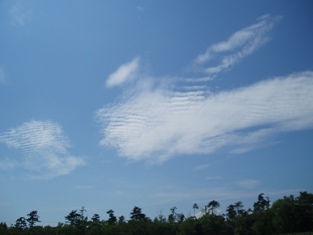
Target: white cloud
20, 14
248, 184
123, 73
241, 44
159, 123
8, 164
202, 167
213, 178
44, 148
140, 8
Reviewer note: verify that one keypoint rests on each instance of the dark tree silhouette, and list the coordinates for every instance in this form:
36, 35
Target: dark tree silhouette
213, 205
287, 215
73, 217
262, 204
112, 219
137, 215
195, 207
33, 218
95, 218
21, 223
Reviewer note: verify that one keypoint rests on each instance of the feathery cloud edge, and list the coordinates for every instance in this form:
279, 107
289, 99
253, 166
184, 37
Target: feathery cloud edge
44, 149
238, 46
159, 123
124, 73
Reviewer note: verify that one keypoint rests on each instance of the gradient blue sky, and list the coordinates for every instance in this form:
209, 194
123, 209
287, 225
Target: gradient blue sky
112, 104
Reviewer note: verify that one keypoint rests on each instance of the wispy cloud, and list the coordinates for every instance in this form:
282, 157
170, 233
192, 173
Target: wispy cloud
8, 164
123, 73
140, 8
20, 14
203, 195
202, 167
248, 184
241, 44
159, 123
44, 148
213, 178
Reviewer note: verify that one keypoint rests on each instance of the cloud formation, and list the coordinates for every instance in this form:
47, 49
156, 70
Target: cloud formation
44, 148
239, 45
123, 73
248, 183
20, 15
159, 123
202, 167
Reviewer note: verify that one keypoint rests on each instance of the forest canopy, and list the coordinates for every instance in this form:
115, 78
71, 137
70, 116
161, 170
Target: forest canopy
289, 214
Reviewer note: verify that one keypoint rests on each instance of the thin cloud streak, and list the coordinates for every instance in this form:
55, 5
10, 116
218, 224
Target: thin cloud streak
159, 123
20, 15
241, 44
202, 167
203, 196
44, 148
248, 183
123, 73
8, 164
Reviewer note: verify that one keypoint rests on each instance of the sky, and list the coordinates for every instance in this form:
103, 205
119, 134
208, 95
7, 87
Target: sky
115, 104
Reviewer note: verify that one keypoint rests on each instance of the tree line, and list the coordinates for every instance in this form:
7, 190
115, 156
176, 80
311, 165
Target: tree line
289, 214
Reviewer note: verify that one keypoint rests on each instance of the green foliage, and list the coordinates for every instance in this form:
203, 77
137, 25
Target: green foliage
212, 224
287, 215
292, 214
3, 228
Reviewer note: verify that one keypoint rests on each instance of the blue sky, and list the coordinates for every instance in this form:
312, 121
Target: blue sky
116, 104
